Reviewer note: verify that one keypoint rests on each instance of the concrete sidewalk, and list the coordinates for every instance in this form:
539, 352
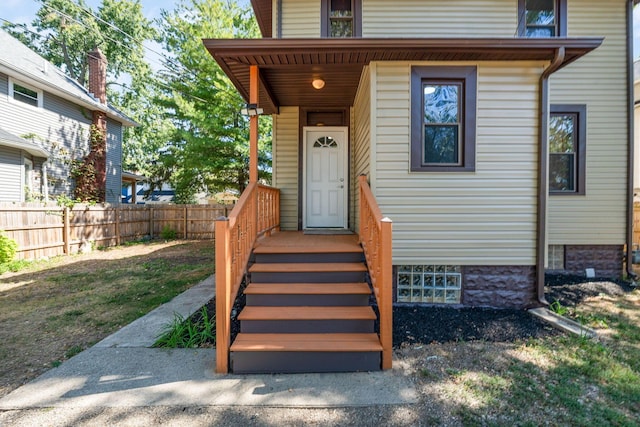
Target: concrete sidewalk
120, 371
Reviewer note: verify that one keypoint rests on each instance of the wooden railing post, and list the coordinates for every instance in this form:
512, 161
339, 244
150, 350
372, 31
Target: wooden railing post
385, 306
223, 297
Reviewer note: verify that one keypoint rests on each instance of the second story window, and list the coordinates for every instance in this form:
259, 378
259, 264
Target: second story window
341, 18
542, 18
23, 93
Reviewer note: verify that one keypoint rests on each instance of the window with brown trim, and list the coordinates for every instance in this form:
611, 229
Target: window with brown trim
341, 18
443, 119
542, 18
567, 149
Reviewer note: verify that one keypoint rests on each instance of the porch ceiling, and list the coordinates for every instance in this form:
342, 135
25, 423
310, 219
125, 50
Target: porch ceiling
287, 66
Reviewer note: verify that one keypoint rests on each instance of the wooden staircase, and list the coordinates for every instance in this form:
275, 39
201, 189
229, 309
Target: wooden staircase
307, 308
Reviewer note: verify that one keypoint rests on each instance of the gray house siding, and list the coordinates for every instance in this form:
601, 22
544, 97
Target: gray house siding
114, 162
60, 127
10, 174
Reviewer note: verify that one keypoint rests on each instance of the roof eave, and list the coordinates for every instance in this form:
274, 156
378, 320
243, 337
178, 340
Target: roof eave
236, 55
42, 84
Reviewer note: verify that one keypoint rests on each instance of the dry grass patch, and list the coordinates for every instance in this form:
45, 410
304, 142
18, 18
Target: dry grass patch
53, 310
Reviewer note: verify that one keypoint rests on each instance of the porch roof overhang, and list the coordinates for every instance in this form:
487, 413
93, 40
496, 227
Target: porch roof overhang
288, 66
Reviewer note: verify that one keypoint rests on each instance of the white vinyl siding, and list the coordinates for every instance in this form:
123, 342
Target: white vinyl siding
285, 164
11, 175
361, 140
437, 18
599, 81
486, 217
300, 18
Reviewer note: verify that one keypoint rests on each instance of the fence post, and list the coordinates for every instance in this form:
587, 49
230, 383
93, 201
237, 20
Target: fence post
151, 222
66, 232
116, 211
186, 212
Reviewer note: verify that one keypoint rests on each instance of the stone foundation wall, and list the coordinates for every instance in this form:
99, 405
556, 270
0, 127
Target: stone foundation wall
606, 260
512, 286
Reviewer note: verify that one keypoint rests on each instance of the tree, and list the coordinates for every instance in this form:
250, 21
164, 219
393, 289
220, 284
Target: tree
208, 148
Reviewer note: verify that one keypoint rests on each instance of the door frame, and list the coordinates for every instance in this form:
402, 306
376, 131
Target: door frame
345, 170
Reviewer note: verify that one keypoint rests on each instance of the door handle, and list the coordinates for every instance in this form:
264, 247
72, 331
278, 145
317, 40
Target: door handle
340, 186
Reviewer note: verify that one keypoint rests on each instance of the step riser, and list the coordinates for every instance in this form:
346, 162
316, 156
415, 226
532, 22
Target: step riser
268, 362
306, 326
307, 300
307, 277
309, 258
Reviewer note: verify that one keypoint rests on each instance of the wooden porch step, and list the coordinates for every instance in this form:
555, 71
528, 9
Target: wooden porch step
307, 289
309, 267
295, 353
307, 294
306, 342
313, 272
307, 313
307, 319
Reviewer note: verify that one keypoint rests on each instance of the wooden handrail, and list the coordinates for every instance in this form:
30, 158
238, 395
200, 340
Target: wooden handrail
256, 213
375, 237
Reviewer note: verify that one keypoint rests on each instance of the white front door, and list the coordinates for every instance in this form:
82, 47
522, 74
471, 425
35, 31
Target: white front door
325, 177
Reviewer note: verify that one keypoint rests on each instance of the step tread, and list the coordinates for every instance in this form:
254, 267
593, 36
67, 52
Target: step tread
307, 267
307, 313
296, 242
307, 342
307, 289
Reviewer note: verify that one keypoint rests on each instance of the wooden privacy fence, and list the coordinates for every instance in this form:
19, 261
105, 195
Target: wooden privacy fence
50, 230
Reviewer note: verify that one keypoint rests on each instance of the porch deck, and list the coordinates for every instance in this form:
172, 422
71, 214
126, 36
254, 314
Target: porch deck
290, 241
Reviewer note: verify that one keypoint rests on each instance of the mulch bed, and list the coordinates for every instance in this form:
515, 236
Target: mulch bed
419, 324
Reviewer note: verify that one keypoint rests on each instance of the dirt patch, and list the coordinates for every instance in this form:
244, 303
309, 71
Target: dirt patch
55, 309
571, 290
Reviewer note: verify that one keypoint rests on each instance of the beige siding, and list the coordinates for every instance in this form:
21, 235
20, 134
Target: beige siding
437, 18
361, 140
285, 164
300, 18
599, 81
487, 217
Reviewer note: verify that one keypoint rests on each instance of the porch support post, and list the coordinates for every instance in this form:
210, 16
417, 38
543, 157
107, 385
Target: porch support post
254, 77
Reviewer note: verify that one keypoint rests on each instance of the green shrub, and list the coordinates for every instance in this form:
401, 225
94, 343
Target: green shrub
8, 248
168, 233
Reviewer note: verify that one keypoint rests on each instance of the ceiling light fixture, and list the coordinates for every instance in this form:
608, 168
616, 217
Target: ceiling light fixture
317, 84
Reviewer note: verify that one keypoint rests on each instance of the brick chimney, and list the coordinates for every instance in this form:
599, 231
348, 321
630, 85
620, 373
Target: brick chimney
98, 75
98, 141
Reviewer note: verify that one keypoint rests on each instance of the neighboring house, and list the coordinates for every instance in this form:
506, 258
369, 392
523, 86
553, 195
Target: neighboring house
39, 103
19, 159
495, 134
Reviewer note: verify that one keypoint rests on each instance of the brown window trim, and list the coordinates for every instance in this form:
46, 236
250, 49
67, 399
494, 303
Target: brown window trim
468, 76
326, 25
561, 18
580, 110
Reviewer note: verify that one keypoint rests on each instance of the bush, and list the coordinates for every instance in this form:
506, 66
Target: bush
168, 233
8, 249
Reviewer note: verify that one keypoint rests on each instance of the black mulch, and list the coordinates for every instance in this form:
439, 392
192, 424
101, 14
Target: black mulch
417, 324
